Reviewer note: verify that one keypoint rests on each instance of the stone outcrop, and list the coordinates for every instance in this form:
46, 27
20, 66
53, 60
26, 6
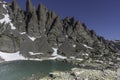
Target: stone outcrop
18, 18
31, 20
8, 43
42, 45
42, 13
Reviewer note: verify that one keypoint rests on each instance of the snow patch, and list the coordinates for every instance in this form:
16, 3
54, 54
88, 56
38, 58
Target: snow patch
99, 61
55, 55
12, 27
86, 78
35, 59
66, 36
118, 58
32, 38
32, 53
17, 56
72, 57
87, 46
44, 30
4, 6
11, 56
85, 54
7, 19
79, 59
55, 52
74, 45
23, 33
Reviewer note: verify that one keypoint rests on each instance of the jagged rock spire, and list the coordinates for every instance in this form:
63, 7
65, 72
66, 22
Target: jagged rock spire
41, 11
31, 19
29, 6
31, 9
15, 6
34, 15
42, 17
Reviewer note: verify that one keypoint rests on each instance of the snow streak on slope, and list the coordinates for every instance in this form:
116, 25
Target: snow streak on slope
55, 55
32, 53
87, 46
31, 38
6, 18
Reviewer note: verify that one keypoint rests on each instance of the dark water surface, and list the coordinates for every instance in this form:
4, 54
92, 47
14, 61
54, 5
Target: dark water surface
18, 70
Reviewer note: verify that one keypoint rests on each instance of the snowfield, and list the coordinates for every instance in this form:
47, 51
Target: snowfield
17, 56
11, 56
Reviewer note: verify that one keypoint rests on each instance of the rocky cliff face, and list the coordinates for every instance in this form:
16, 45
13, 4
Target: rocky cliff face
43, 31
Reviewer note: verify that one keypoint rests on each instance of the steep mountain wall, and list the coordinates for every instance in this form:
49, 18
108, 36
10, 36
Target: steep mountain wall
42, 31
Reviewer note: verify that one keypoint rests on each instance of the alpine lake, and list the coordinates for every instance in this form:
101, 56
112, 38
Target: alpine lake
21, 69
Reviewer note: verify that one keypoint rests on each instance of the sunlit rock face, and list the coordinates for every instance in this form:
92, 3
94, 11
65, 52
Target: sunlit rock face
39, 30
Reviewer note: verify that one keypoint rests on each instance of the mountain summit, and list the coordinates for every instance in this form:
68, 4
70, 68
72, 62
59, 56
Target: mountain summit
41, 33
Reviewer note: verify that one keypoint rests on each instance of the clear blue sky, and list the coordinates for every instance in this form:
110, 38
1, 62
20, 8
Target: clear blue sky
103, 16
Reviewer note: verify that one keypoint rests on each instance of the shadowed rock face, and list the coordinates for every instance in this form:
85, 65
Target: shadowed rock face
71, 37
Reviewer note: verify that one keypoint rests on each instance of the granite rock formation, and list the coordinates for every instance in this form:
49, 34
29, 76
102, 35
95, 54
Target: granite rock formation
40, 30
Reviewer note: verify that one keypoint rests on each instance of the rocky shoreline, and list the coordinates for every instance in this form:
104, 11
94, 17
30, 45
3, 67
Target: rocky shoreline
91, 64
86, 70
80, 74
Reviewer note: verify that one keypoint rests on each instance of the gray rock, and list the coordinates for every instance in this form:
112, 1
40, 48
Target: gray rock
55, 35
31, 20
8, 43
66, 49
1, 60
15, 7
29, 6
42, 18
26, 46
41, 45
2, 9
18, 21
1, 16
51, 16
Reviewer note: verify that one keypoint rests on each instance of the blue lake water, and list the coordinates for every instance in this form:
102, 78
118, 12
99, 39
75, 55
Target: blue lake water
18, 70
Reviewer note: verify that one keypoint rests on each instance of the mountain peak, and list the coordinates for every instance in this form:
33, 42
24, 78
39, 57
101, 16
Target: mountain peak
29, 6
15, 6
